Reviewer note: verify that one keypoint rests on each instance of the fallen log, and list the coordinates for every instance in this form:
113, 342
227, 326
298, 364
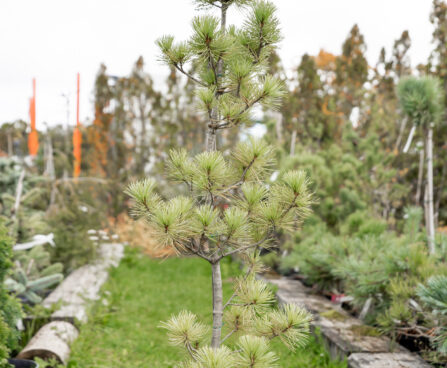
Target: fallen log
52, 341
83, 286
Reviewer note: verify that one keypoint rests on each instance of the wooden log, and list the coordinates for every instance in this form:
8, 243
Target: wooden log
388, 360
51, 341
83, 285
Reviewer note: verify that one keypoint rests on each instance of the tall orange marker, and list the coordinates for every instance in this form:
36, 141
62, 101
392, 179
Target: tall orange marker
33, 138
77, 138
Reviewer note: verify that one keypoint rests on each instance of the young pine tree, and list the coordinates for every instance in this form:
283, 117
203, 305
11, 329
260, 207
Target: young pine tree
422, 100
230, 208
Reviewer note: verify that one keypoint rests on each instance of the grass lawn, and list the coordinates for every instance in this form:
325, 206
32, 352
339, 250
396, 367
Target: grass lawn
122, 331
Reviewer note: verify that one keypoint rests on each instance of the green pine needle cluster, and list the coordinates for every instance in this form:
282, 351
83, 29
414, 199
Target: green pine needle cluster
230, 209
434, 295
421, 99
230, 66
252, 320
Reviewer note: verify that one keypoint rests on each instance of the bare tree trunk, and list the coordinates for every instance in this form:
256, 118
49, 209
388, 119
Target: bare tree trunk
292, 143
431, 222
49, 162
439, 192
410, 139
278, 126
210, 140
217, 305
10, 148
143, 145
19, 191
417, 197
427, 220
216, 272
403, 125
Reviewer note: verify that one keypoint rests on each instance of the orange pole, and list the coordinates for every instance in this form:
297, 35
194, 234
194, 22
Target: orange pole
77, 136
33, 138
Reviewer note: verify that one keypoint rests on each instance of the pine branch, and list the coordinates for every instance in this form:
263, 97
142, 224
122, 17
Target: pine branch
228, 303
246, 247
190, 76
247, 107
228, 336
197, 252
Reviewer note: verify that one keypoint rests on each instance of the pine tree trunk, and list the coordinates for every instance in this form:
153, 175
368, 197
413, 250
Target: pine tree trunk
279, 118
403, 125
211, 140
292, 143
417, 197
217, 305
10, 149
439, 192
431, 219
216, 273
143, 145
427, 220
410, 139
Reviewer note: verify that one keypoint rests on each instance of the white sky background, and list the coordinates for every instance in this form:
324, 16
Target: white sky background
52, 40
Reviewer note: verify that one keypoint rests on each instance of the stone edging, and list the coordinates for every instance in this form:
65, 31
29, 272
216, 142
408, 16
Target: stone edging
344, 335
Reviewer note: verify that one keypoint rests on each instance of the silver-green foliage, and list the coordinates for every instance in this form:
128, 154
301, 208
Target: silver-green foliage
33, 274
230, 209
230, 65
253, 210
434, 294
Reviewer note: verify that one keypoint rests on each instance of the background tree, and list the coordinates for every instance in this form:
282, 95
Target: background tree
421, 99
351, 71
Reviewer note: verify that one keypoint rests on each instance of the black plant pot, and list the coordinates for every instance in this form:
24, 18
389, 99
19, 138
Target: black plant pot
22, 363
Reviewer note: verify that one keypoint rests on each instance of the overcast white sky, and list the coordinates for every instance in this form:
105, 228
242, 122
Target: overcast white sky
52, 40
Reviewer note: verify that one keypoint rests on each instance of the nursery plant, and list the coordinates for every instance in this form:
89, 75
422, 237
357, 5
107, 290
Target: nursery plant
33, 275
229, 209
10, 310
422, 101
434, 295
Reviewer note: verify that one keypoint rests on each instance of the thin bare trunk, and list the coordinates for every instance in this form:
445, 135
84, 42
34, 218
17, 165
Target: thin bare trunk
19, 191
427, 220
216, 273
143, 145
410, 139
49, 162
403, 125
431, 219
440, 191
217, 305
211, 140
417, 197
10, 149
279, 117
292, 143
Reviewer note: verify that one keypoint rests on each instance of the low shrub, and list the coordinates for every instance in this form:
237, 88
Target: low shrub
10, 310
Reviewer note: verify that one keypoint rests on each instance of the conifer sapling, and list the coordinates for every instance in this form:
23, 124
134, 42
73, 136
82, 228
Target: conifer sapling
229, 208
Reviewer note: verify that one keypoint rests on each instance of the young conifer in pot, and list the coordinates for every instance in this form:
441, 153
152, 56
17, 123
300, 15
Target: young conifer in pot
230, 207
